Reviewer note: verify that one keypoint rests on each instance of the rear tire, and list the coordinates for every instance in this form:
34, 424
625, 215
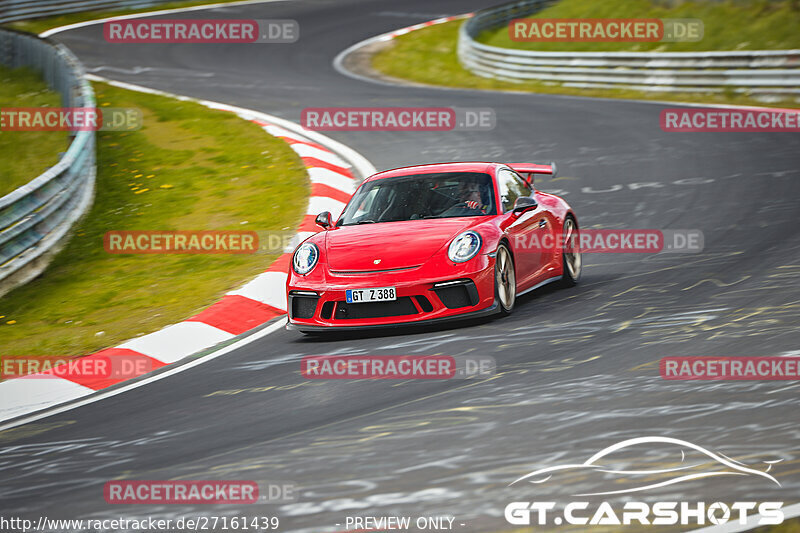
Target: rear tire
571, 253
505, 280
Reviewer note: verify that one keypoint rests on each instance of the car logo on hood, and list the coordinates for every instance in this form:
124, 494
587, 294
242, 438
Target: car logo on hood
376, 261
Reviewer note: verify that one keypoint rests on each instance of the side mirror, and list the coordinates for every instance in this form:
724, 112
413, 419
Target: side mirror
524, 203
323, 219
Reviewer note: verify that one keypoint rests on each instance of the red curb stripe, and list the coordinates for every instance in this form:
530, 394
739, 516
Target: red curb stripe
125, 364
326, 191
281, 264
312, 162
236, 314
308, 224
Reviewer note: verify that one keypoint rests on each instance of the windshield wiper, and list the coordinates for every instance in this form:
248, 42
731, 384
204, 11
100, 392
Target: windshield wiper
365, 222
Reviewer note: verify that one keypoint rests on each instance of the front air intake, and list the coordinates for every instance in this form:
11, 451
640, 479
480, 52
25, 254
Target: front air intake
457, 294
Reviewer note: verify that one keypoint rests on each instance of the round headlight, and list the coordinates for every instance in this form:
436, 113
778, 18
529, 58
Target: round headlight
305, 258
464, 247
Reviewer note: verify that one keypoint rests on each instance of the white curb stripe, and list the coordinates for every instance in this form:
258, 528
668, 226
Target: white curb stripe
268, 288
178, 341
26, 395
326, 176
302, 236
304, 150
277, 131
318, 204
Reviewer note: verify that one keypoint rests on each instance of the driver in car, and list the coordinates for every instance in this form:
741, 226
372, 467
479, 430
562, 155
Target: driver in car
470, 194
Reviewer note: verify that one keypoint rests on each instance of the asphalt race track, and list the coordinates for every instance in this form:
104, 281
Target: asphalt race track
577, 368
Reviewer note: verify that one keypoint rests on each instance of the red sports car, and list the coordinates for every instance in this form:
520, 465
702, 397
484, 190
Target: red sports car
431, 243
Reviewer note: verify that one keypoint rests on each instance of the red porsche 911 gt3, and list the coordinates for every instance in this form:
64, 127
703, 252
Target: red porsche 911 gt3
430, 243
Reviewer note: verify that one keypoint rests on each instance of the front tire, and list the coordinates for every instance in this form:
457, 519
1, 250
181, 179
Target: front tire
571, 254
505, 280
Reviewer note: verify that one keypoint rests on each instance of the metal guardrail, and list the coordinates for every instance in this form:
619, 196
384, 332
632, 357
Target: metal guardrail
35, 218
11, 10
754, 71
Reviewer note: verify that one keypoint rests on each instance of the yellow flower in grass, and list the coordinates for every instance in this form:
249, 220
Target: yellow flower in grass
141, 191
166, 186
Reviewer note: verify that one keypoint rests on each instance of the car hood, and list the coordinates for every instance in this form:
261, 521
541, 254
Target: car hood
393, 245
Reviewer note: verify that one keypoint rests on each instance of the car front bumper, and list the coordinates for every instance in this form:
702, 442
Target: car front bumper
424, 295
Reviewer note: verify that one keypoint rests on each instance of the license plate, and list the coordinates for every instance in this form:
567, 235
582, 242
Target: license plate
379, 294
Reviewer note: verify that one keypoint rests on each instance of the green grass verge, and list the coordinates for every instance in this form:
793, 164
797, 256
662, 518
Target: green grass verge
26, 154
188, 168
742, 25
40, 25
429, 56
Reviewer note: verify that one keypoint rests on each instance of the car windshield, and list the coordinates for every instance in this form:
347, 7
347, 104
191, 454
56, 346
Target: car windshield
421, 196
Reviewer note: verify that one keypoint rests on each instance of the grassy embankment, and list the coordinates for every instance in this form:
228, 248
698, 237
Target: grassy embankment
429, 55
26, 154
188, 168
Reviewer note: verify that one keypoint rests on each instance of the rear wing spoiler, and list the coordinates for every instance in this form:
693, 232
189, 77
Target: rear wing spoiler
531, 169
